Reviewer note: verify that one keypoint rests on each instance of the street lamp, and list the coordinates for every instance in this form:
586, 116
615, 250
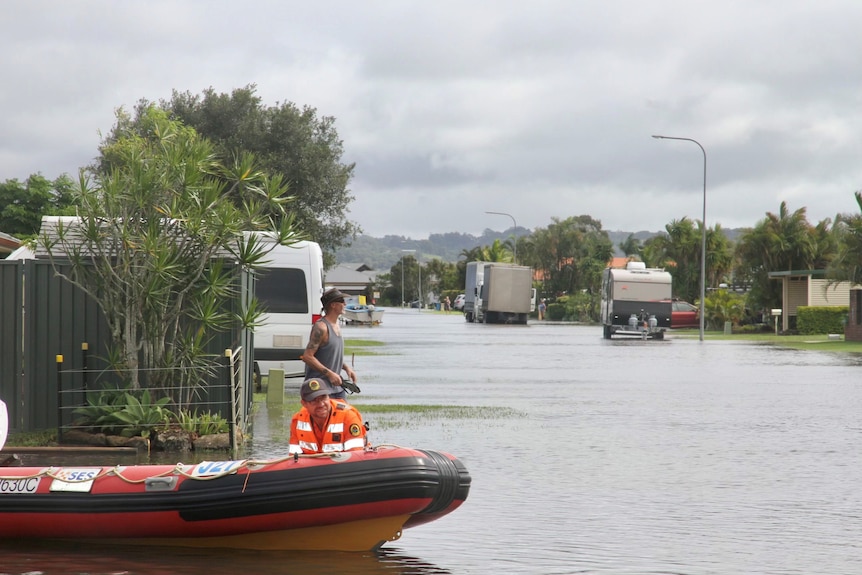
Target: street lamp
402, 274
703, 239
514, 226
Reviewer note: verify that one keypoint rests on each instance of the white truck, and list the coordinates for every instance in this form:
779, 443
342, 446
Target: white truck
289, 289
473, 285
498, 293
636, 301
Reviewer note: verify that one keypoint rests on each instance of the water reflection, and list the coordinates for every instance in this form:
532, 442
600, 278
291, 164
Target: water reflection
62, 558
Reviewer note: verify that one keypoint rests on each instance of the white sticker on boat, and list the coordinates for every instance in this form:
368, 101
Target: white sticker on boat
28, 485
205, 468
77, 480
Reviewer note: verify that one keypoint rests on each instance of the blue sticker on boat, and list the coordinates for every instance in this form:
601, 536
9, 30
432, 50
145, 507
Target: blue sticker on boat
205, 468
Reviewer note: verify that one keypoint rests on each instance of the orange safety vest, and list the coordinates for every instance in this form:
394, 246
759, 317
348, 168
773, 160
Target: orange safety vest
344, 431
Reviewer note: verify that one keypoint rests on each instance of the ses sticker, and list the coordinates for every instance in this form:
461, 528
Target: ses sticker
76, 480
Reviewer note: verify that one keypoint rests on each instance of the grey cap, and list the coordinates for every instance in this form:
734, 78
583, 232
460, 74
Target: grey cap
314, 388
331, 295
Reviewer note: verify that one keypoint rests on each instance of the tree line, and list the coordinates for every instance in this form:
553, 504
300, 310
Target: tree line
570, 254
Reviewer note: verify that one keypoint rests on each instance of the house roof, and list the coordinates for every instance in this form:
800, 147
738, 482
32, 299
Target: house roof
8, 244
350, 276
789, 273
359, 267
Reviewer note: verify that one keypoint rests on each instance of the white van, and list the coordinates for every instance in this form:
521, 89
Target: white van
289, 290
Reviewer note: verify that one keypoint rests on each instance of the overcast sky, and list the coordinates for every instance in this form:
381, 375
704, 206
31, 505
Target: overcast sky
449, 109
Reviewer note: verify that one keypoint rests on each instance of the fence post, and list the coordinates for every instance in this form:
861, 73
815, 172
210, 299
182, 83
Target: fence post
59, 360
84, 348
231, 425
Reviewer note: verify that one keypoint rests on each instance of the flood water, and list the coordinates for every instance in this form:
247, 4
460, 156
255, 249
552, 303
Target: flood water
587, 456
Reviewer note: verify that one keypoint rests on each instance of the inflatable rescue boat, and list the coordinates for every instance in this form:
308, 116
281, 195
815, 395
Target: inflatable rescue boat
352, 501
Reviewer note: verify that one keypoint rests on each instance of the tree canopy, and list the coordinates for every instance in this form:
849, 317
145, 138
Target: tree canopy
22, 204
152, 240
293, 142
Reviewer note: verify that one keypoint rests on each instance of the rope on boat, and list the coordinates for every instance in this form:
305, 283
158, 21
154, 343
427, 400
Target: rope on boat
180, 468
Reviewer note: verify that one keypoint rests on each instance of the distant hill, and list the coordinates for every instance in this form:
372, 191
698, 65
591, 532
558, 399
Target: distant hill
382, 253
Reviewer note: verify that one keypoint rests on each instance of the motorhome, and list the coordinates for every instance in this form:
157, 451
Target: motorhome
636, 301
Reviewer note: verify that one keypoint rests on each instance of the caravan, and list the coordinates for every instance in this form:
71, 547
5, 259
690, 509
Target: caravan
289, 290
636, 301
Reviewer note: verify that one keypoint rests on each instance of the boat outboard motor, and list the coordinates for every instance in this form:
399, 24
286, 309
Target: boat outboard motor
633, 321
653, 322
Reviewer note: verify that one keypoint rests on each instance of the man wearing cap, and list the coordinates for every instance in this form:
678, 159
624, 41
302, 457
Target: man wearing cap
324, 425
324, 354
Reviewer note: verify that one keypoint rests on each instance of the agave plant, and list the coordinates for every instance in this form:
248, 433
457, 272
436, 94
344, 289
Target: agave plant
141, 416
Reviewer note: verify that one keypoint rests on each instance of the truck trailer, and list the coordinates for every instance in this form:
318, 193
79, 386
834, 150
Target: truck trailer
501, 293
636, 301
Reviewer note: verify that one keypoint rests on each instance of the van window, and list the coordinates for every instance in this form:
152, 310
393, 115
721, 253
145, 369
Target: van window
282, 290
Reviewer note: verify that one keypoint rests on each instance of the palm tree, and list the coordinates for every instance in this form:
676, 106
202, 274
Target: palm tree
631, 246
497, 252
678, 250
782, 242
847, 263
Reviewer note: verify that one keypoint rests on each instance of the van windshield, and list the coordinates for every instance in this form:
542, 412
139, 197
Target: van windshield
282, 290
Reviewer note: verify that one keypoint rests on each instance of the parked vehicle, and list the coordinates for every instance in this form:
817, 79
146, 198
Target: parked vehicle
290, 291
472, 301
636, 301
684, 314
459, 302
498, 293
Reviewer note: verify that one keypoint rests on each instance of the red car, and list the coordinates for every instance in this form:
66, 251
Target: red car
684, 315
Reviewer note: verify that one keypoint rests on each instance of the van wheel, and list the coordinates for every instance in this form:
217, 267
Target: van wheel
607, 332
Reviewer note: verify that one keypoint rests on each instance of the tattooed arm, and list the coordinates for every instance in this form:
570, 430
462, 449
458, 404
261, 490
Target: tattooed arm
319, 336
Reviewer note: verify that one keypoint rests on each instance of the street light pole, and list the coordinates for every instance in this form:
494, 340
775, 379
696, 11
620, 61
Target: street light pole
703, 238
514, 227
402, 274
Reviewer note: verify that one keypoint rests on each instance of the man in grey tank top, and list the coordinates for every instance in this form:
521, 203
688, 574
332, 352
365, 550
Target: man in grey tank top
324, 354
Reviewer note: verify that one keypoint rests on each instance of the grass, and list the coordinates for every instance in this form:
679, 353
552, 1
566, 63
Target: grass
447, 411
395, 416
361, 347
47, 438
819, 342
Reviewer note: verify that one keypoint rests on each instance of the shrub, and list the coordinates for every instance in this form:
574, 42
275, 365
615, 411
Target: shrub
813, 320
556, 312
119, 412
202, 424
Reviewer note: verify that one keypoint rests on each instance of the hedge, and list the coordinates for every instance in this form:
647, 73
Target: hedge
811, 320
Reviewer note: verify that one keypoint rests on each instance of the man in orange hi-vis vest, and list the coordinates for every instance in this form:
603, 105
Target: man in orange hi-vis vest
325, 425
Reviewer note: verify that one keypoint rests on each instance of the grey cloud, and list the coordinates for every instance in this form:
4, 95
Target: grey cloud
450, 109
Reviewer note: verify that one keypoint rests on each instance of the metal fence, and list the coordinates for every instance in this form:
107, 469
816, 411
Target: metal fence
50, 327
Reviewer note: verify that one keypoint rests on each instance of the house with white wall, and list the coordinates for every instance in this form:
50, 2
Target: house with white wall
808, 288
